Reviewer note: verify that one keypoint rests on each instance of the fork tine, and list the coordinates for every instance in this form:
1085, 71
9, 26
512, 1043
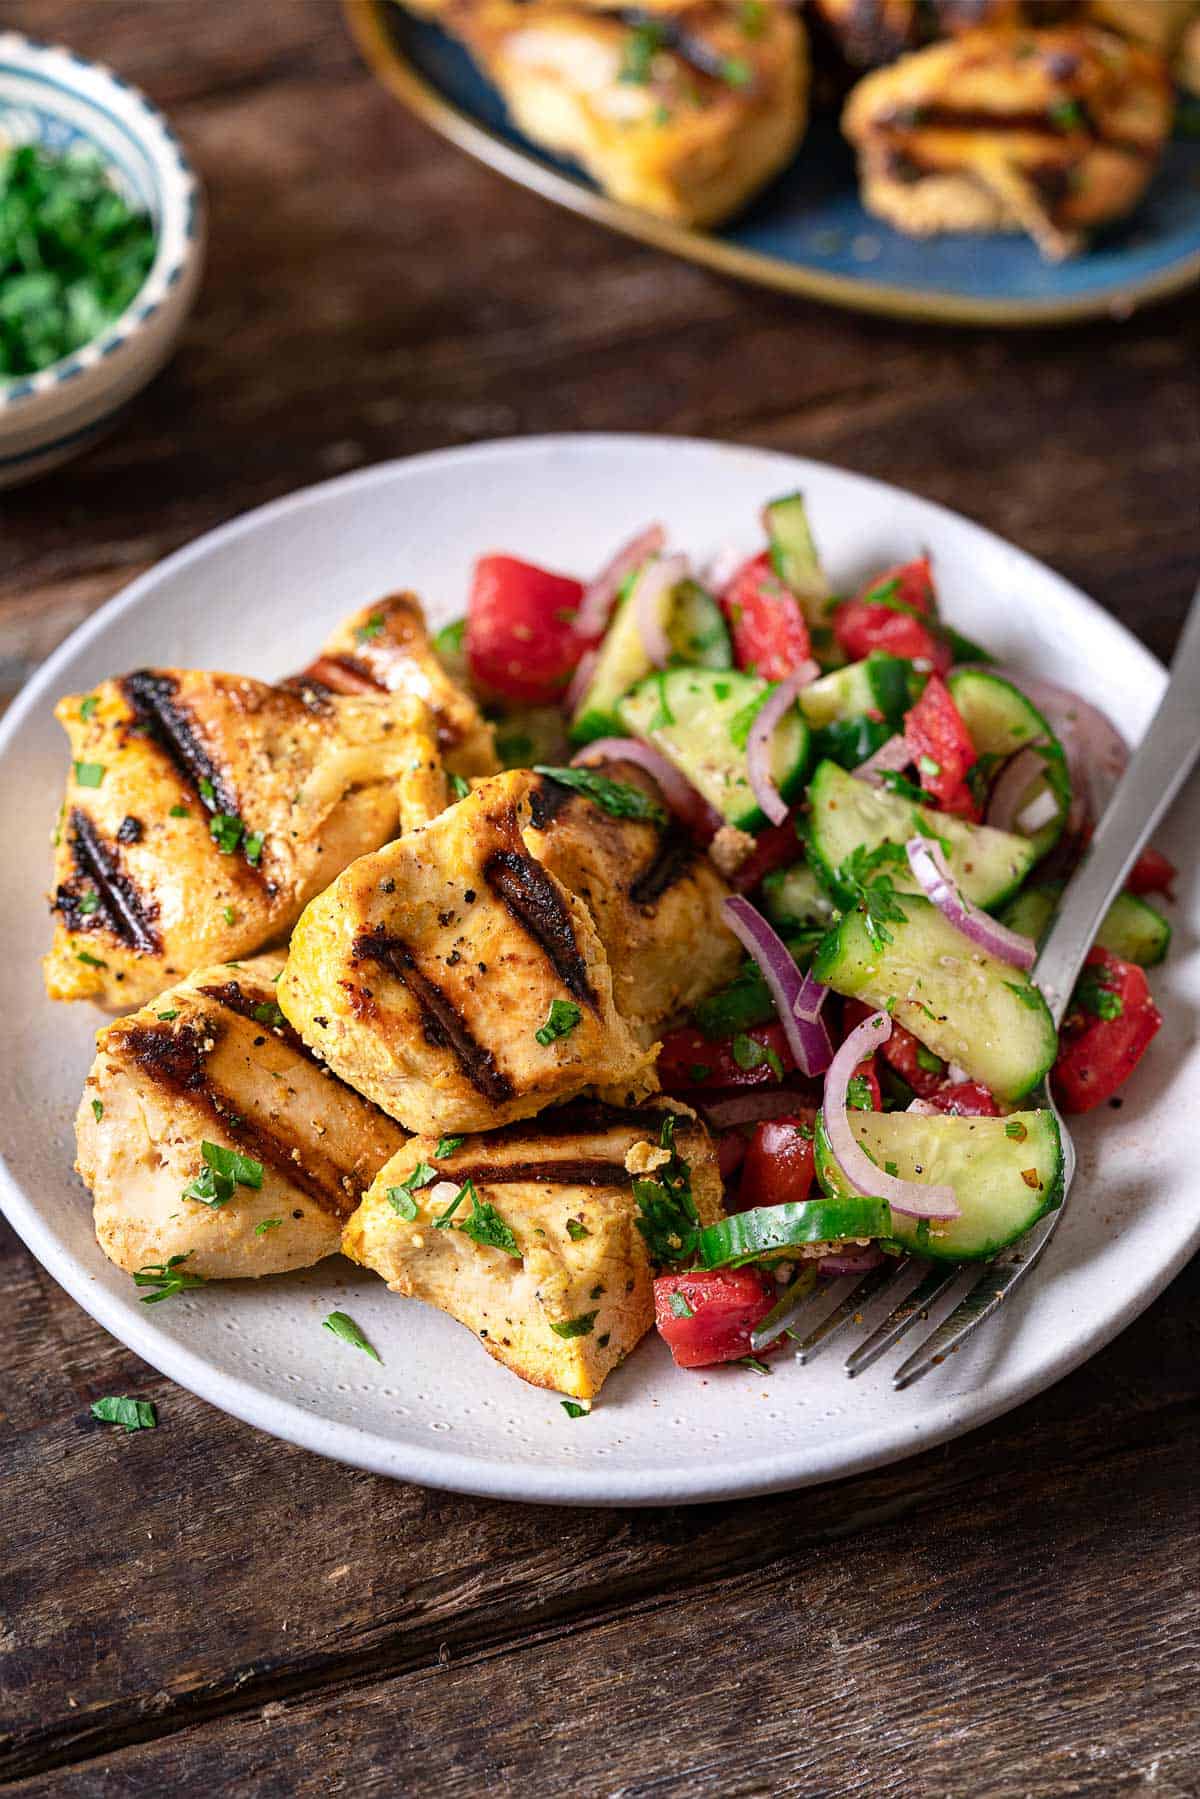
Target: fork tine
862, 1291
912, 1302
996, 1281
814, 1308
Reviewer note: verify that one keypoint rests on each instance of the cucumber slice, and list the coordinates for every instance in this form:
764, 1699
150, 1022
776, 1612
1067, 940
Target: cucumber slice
794, 559
846, 814
879, 683
700, 719
770, 1232
1001, 720
1006, 1172
622, 662
696, 628
1133, 930
795, 899
965, 1006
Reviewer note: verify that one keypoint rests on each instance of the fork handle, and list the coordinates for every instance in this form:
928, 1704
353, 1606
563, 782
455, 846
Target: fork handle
1156, 772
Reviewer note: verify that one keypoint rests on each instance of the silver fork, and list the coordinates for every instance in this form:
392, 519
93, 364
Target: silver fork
1155, 774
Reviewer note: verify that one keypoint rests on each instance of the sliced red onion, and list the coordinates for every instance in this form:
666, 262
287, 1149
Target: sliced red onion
1012, 784
581, 680
758, 745
1095, 750
1037, 813
929, 865
678, 791
913, 1199
956, 1074
891, 756
656, 580
798, 999
852, 1261
600, 594
752, 1108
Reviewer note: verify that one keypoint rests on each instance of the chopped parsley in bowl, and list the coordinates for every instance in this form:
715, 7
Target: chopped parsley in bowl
73, 254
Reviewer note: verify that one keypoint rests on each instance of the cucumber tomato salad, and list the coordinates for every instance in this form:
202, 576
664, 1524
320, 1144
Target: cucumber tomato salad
896, 815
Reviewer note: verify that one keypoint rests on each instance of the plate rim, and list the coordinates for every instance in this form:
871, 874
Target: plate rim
929, 306
453, 1470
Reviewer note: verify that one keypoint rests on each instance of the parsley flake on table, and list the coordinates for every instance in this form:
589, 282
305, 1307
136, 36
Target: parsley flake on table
617, 798
134, 1414
343, 1326
561, 1020
574, 1410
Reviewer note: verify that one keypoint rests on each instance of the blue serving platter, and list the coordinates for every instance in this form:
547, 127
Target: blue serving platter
808, 232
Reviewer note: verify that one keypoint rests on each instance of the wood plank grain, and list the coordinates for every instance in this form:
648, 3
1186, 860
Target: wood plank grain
156, 1581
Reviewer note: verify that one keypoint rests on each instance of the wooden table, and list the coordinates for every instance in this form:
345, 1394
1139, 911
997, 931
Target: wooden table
204, 1609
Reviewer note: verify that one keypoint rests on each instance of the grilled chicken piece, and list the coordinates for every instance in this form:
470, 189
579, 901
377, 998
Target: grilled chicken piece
425, 972
1157, 24
212, 1061
654, 898
871, 32
385, 648
684, 116
203, 811
578, 1297
1052, 132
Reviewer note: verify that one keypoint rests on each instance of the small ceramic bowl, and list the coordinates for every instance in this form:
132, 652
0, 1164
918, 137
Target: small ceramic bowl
53, 98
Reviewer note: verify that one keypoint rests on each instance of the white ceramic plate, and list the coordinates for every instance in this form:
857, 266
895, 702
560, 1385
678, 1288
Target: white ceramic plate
258, 596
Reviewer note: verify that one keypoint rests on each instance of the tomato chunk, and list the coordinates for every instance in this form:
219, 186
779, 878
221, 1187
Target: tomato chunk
778, 1170
964, 1099
707, 1318
1152, 873
1111, 1021
776, 846
690, 1059
769, 631
941, 748
887, 615
520, 641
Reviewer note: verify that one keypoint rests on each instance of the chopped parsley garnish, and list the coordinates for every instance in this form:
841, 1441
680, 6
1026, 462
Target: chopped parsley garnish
514, 748
736, 71
561, 1020
874, 890
577, 1231
1028, 995
267, 1224
1094, 994
900, 785
228, 914
344, 1327
928, 1061
446, 1146
741, 724
699, 1071
168, 1016
178, 812
73, 254
89, 774
449, 640
267, 1012
1016, 1130
884, 593
583, 1326
680, 1307
1068, 115
227, 831
252, 849
927, 765
89, 902
134, 1414
208, 792
372, 628
858, 1094
87, 707
752, 1362
667, 1219
615, 797
97, 1109
752, 16
224, 1170
89, 961
483, 1224
459, 787
421, 1176
748, 1054
574, 1410
402, 1203
642, 44
664, 716
167, 1278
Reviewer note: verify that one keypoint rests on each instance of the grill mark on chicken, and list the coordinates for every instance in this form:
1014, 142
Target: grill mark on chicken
233, 996
589, 1118
529, 896
443, 1025
671, 861
341, 674
591, 1171
122, 910
546, 801
176, 1060
151, 698
934, 117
